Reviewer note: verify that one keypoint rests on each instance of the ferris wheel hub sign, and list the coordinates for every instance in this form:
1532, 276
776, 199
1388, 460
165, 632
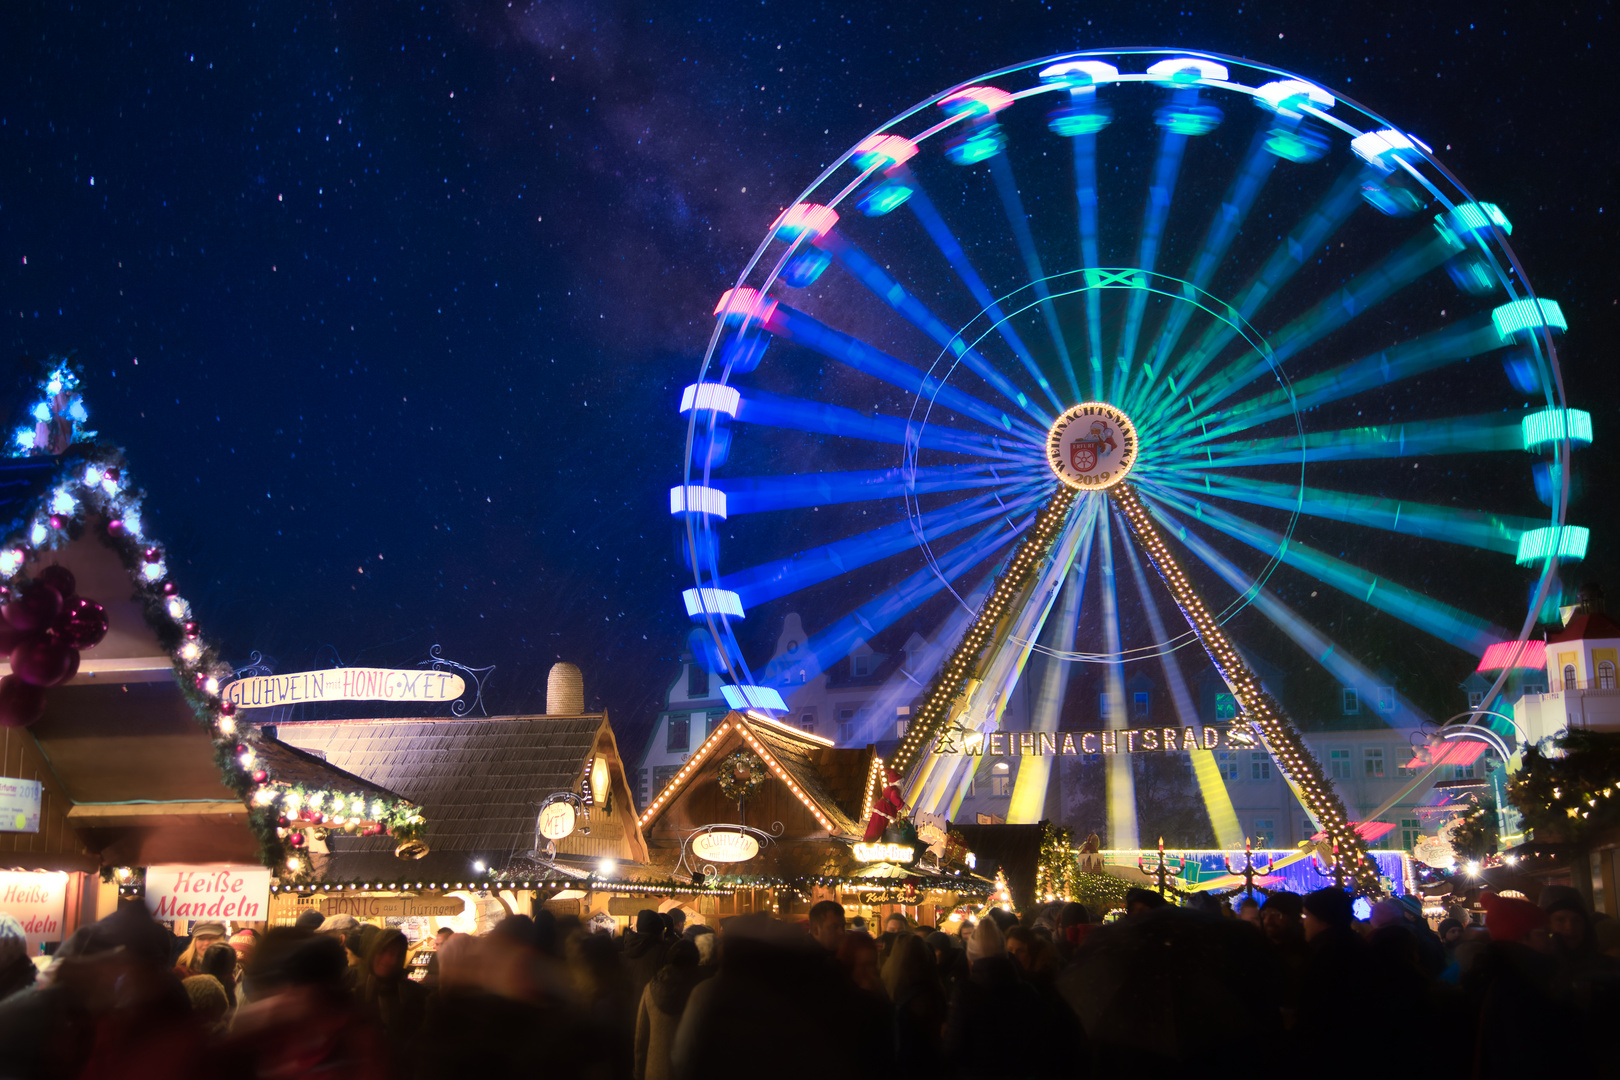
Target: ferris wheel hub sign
1092, 446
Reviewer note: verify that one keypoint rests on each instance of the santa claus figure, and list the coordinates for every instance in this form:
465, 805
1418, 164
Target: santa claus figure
888, 807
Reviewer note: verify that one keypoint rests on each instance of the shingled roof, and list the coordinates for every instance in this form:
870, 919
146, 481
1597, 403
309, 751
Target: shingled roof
292, 766
480, 782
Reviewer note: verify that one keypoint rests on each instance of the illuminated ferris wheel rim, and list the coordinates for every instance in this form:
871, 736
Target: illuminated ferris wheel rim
744, 305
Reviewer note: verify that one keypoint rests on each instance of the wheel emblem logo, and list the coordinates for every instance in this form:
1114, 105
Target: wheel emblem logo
1092, 446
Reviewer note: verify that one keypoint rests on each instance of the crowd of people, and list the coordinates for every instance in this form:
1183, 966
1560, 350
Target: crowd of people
1280, 984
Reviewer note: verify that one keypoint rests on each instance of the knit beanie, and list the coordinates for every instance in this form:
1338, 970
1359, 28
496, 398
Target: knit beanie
1387, 912
1330, 905
1510, 919
1560, 898
1288, 903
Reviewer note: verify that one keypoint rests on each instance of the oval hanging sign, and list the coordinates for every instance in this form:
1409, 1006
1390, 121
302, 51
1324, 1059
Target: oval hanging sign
557, 820
724, 846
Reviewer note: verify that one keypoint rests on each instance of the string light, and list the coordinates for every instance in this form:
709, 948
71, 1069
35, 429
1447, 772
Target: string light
1294, 758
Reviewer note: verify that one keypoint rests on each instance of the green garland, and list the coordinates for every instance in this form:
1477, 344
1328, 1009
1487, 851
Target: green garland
1573, 796
738, 788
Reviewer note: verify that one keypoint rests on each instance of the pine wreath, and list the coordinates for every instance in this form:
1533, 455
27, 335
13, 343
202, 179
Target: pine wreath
740, 775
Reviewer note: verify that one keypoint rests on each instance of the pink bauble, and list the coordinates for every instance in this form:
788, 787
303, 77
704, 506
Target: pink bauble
35, 607
20, 703
42, 662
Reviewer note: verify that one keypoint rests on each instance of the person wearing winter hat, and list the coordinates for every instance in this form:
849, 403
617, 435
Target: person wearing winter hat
1567, 918
1387, 912
309, 919
203, 935
1326, 909
1508, 918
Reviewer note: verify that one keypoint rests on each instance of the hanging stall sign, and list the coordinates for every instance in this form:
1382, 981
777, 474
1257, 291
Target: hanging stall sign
36, 900
344, 684
557, 820
219, 891
393, 907
724, 846
1072, 743
19, 805
905, 854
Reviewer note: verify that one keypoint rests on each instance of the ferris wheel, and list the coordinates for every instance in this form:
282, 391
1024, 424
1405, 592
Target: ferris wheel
1119, 358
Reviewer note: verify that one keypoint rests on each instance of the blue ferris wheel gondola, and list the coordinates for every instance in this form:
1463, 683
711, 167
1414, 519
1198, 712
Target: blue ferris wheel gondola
869, 431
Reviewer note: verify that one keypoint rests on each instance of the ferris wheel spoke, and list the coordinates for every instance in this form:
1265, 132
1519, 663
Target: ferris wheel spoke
1161, 192
1018, 220
801, 329
1471, 528
1217, 800
1223, 229
793, 491
923, 210
1463, 339
1322, 222
1120, 784
797, 414
1451, 625
1331, 656
878, 614
767, 581
1414, 259
1085, 193
1421, 438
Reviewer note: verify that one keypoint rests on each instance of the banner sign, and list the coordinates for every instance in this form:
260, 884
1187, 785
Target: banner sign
724, 846
396, 907
38, 901
215, 892
1070, 743
19, 805
344, 684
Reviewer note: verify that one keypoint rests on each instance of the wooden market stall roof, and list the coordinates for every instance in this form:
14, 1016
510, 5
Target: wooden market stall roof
828, 781
481, 781
137, 761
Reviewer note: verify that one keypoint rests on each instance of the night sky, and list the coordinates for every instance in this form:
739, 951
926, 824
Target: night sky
391, 303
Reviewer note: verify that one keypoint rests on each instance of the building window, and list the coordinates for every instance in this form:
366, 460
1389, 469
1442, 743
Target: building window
714, 722
1339, 763
1226, 761
1386, 699
1306, 829
1605, 673
1102, 705
1535, 688
807, 721
846, 725
1265, 833
1259, 765
662, 775
900, 727
1411, 829
680, 734
1350, 701
972, 787
1464, 772
1225, 707
644, 779
1140, 699
1000, 780
697, 682
1476, 698
860, 665
1569, 677
1372, 762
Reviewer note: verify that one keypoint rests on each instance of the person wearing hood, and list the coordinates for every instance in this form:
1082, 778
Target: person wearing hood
991, 1001
663, 1003
644, 950
386, 993
1518, 1027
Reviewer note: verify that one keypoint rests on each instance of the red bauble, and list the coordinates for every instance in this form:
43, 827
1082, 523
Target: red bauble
170, 588
20, 703
73, 665
9, 637
260, 776
83, 623
43, 662
115, 527
296, 839
153, 554
227, 708
59, 578
58, 521
35, 607
191, 630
